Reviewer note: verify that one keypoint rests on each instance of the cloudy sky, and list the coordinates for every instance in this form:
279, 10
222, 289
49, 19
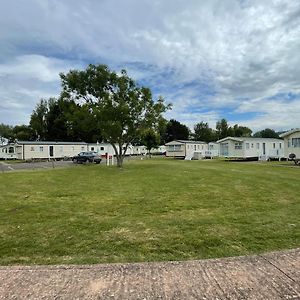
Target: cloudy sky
237, 59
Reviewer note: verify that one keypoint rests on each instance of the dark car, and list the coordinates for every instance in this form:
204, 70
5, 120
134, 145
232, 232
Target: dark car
86, 157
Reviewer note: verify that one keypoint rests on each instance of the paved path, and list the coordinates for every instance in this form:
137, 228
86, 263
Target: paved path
271, 276
4, 167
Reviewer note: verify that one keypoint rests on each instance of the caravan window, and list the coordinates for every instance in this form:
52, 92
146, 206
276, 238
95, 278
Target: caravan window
274, 145
92, 148
296, 142
102, 148
11, 150
41, 149
238, 145
247, 145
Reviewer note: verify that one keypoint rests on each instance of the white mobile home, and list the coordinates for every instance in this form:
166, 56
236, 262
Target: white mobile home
28, 150
106, 148
291, 142
213, 150
251, 148
7, 152
103, 148
186, 149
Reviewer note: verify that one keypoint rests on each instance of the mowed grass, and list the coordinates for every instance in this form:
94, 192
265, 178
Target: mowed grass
151, 210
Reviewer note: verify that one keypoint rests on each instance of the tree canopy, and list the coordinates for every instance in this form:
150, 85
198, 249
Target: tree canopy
122, 108
176, 131
150, 139
64, 120
202, 132
266, 133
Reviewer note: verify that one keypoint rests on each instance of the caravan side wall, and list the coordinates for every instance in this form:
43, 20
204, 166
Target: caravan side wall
292, 144
44, 151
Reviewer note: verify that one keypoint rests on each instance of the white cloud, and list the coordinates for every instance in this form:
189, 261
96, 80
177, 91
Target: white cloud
244, 52
24, 81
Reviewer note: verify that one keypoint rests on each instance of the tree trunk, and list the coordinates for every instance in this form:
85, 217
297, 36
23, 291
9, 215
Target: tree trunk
120, 154
120, 159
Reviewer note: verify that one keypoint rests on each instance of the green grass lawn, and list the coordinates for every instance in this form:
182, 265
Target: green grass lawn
151, 210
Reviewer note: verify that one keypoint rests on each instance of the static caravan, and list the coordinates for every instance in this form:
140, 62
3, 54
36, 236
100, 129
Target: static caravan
104, 148
46, 150
138, 150
213, 150
141, 150
186, 149
7, 152
161, 150
291, 142
101, 148
251, 148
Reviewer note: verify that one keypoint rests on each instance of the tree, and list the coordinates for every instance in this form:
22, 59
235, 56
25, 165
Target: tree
223, 130
63, 120
241, 131
6, 132
38, 119
162, 128
266, 133
202, 132
122, 108
176, 131
150, 139
23, 133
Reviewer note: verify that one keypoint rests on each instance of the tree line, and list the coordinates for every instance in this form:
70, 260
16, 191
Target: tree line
100, 105
60, 120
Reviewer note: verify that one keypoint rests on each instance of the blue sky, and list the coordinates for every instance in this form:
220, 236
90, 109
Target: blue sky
211, 59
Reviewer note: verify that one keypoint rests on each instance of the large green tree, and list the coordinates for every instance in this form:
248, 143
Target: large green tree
64, 120
202, 132
23, 133
121, 107
266, 133
241, 131
176, 131
223, 129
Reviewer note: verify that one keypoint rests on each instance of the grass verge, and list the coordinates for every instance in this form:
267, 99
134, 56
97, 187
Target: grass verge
151, 210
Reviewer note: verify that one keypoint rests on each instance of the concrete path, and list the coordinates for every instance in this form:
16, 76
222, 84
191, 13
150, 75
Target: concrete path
271, 276
5, 167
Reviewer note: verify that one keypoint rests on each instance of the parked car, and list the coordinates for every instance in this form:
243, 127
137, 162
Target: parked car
85, 157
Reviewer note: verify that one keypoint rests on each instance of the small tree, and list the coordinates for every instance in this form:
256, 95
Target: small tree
151, 140
122, 108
